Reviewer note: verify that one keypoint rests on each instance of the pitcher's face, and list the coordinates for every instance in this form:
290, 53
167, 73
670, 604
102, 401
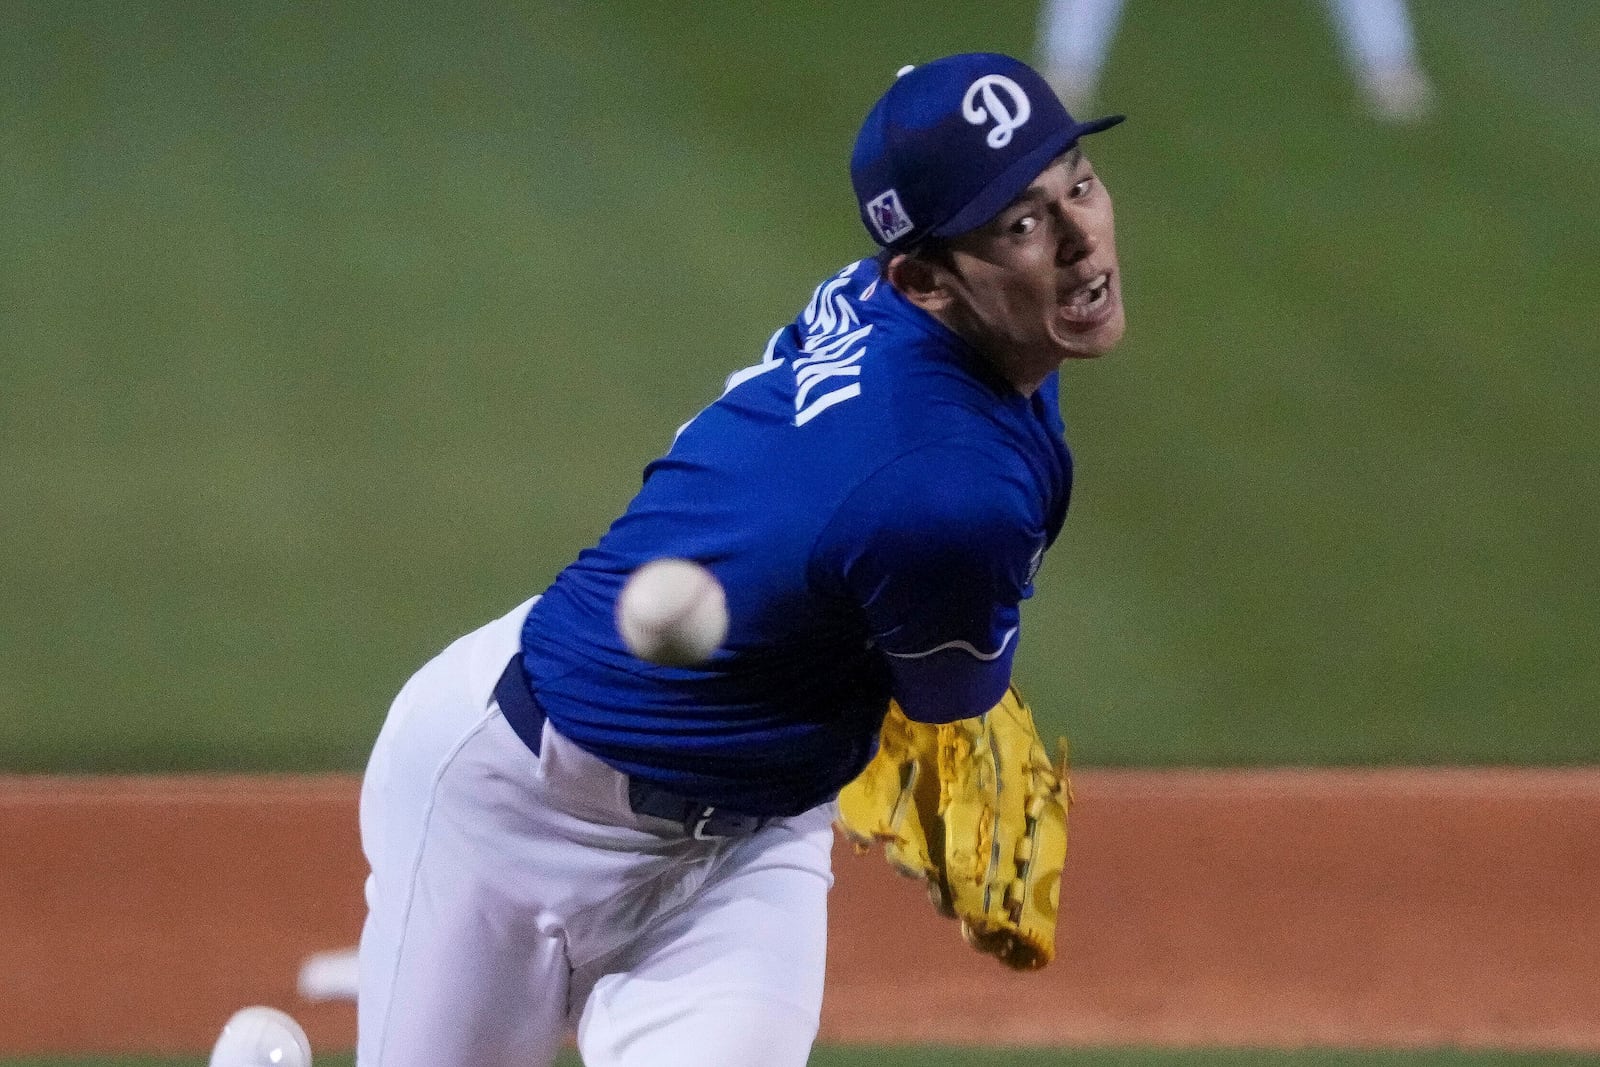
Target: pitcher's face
1038, 283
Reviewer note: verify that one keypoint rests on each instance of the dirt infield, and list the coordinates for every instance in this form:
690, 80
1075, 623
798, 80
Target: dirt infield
1269, 908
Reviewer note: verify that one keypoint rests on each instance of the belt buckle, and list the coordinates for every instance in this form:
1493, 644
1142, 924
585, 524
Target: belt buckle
698, 826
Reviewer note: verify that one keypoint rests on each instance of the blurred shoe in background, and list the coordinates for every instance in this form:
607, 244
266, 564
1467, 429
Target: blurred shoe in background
1400, 94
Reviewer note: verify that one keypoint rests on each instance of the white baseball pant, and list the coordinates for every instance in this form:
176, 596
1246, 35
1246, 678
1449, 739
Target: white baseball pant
516, 896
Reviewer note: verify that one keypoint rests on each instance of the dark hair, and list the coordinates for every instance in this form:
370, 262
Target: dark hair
930, 250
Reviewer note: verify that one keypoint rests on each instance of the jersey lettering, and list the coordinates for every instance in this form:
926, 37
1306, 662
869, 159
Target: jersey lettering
833, 329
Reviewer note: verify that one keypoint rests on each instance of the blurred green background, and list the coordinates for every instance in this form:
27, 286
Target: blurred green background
329, 332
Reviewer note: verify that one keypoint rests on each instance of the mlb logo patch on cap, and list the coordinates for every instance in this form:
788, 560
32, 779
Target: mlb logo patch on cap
888, 217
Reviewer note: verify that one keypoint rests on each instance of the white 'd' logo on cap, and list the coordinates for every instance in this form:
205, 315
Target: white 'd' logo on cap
1006, 118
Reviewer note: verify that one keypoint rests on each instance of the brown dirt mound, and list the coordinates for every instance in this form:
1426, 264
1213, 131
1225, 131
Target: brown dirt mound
1261, 908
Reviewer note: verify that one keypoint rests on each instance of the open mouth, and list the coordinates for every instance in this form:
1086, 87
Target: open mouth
1084, 302
1088, 303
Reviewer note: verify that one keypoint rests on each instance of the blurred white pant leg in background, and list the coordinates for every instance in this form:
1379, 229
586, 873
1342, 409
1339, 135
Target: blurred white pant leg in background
1381, 48
1074, 39
1376, 35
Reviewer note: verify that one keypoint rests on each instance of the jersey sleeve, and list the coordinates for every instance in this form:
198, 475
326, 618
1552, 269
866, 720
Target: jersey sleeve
937, 550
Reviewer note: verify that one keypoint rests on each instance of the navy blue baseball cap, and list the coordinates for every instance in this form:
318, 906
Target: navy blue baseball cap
952, 142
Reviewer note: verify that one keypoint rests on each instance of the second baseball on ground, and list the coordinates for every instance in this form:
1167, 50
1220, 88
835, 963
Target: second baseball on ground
672, 612
259, 1036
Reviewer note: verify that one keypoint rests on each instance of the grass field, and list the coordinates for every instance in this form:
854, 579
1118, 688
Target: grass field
328, 333
932, 1057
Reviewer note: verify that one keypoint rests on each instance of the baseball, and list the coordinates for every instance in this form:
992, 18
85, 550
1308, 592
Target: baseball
261, 1037
672, 612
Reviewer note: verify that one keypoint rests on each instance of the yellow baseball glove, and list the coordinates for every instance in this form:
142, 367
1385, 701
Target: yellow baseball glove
976, 810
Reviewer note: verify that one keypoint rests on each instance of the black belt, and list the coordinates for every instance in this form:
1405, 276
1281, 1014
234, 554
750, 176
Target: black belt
700, 820
514, 694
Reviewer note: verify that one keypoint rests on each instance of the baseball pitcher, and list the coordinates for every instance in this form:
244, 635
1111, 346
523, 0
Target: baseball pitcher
566, 838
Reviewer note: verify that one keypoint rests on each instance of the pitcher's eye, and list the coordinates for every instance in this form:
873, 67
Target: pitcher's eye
1024, 225
1081, 189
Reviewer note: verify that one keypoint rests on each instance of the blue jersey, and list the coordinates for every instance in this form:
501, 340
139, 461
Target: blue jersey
875, 501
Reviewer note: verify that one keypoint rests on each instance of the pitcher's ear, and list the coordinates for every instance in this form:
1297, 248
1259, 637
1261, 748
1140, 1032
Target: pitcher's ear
921, 281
